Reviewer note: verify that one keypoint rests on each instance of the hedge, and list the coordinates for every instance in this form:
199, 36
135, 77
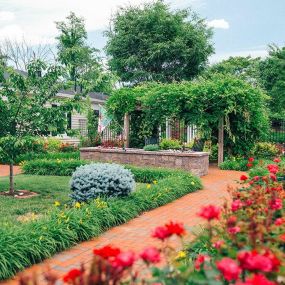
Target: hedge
62, 228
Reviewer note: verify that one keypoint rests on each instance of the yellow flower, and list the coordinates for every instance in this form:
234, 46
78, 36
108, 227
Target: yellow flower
41, 238
57, 203
192, 183
154, 181
77, 205
100, 204
181, 254
148, 186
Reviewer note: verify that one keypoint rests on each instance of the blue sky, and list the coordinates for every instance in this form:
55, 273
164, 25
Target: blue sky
241, 27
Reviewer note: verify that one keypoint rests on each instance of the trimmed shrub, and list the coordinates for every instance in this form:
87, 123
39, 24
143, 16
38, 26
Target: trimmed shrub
239, 164
170, 144
101, 179
152, 147
53, 144
265, 150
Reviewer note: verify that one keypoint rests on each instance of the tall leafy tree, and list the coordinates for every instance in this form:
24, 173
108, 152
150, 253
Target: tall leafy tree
154, 43
26, 108
272, 72
82, 63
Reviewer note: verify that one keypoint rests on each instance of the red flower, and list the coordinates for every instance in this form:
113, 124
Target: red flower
218, 244
252, 261
273, 168
107, 251
248, 202
72, 275
161, 233
236, 205
273, 177
243, 178
251, 159
234, 230
256, 178
231, 221
150, 255
249, 165
282, 237
201, 258
229, 268
257, 279
175, 228
124, 259
210, 212
279, 222
277, 159
275, 204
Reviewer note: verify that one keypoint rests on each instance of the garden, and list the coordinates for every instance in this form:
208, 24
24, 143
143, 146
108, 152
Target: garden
170, 122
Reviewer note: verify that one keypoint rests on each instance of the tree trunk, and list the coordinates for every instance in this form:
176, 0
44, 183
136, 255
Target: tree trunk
11, 189
221, 141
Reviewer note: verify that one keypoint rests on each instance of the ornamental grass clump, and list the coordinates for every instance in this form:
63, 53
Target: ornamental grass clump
101, 180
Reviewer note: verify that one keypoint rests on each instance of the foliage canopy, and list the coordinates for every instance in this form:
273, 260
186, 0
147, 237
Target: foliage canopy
153, 43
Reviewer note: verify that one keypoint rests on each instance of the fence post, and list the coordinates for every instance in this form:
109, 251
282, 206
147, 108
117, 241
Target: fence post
221, 141
126, 130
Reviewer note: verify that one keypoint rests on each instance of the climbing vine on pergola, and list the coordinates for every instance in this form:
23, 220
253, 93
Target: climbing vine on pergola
225, 103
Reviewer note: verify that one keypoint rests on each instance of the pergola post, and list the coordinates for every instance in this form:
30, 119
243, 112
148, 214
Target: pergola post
221, 141
126, 130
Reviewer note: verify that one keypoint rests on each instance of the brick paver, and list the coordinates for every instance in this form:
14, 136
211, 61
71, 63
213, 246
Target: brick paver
4, 170
135, 235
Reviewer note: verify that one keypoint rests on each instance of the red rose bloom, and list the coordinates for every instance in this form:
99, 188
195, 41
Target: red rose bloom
276, 204
161, 233
229, 268
249, 165
150, 255
243, 178
273, 177
210, 212
279, 222
201, 258
236, 205
277, 160
251, 159
218, 244
124, 259
175, 228
107, 251
72, 275
273, 168
257, 279
233, 230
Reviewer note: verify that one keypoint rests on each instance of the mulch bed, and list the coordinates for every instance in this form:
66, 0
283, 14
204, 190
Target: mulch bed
20, 194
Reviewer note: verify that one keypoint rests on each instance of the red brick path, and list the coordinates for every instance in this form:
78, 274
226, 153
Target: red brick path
135, 235
4, 170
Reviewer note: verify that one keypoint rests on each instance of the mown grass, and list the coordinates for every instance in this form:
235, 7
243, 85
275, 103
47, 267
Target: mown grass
15, 212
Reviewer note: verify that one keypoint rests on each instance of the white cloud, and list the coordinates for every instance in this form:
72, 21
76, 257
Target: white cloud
218, 24
6, 16
251, 52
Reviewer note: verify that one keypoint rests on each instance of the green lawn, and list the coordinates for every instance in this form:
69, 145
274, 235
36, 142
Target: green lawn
49, 188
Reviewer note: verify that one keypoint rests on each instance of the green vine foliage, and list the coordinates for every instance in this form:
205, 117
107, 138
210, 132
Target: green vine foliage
202, 102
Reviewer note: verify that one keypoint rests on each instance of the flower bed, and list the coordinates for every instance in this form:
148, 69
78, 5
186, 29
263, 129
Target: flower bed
66, 225
196, 162
243, 244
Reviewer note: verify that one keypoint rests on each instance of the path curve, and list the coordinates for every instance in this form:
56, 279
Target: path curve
135, 235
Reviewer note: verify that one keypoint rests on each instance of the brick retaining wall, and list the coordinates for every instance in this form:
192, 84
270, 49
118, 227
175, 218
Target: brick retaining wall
196, 162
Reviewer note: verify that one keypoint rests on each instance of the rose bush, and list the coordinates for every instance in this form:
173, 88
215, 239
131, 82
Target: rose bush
243, 244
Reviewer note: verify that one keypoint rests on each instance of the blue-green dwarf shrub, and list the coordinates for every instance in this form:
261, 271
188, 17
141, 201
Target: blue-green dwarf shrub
101, 179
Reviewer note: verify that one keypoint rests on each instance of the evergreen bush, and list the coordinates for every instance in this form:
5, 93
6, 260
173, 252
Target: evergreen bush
101, 179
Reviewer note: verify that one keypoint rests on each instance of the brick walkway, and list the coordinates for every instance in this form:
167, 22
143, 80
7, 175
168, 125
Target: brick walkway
4, 170
135, 235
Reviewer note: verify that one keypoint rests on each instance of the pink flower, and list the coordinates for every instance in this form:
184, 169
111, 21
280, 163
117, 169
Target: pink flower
124, 259
256, 178
279, 222
201, 258
150, 255
161, 233
273, 168
218, 244
273, 177
210, 212
234, 230
236, 205
276, 204
229, 268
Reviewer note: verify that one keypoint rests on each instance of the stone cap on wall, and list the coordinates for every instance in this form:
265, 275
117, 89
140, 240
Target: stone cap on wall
144, 152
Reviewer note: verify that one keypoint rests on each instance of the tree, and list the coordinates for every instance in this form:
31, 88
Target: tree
20, 53
81, 62
153, 43
246, 68
27, 104
272, 73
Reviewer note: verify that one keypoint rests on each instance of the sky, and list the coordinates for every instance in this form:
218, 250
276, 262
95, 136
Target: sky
241, 27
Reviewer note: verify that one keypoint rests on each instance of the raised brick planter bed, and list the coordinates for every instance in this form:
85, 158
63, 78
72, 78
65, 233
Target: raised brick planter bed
196, 162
